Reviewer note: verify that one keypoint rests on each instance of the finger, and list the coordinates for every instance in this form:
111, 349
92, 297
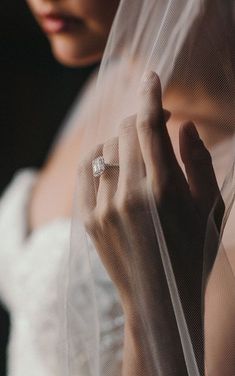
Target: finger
155, 143
199, 169
109, 178
167, 115
87, 186
131, 162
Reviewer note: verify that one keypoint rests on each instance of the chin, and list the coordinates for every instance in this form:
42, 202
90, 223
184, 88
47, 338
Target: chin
74, 56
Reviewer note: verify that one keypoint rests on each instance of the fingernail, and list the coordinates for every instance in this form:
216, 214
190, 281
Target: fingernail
149, 78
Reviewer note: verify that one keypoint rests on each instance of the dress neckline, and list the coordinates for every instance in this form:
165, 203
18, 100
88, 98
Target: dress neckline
47, 227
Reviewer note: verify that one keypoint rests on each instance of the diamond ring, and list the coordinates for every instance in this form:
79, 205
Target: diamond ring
99, 166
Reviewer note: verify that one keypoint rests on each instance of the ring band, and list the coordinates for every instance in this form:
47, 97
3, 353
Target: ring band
99, 166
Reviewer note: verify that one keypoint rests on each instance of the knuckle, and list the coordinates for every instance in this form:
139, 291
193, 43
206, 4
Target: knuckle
106, 215
110, 143
127, 124
129, 202
147, 122
90, 223
144, 125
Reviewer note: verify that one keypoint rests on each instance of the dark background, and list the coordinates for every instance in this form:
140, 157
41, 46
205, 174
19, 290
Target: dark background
35, 94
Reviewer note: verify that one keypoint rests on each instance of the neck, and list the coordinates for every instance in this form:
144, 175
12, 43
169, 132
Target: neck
213, 118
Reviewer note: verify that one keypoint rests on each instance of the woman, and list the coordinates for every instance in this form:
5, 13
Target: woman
163, 323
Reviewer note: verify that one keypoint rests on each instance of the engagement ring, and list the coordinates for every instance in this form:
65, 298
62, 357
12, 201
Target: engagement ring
99, 166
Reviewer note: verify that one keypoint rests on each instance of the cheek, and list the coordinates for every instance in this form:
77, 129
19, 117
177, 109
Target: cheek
34, 4
92, 7
99, 12
83, 44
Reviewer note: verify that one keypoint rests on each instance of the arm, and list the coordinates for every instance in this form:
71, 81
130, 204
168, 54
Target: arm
119, 220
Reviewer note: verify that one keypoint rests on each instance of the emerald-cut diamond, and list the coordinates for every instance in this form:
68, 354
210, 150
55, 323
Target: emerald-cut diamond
98, 166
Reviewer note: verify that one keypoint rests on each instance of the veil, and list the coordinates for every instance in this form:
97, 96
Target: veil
190, 44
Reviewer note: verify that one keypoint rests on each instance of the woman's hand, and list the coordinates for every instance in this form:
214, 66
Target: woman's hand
117, 211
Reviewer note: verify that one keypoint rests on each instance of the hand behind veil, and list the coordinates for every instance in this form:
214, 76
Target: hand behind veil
118, 218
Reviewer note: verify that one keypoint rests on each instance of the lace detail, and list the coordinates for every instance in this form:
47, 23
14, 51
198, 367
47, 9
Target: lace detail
29, 286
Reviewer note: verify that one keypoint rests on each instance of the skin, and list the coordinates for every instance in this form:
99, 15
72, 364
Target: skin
120, 200
143, 137
77, 47
84, 44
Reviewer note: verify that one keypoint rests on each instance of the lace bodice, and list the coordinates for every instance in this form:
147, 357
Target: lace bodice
30, 267
31, 276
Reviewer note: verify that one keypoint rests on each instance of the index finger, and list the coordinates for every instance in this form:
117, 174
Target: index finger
155, 143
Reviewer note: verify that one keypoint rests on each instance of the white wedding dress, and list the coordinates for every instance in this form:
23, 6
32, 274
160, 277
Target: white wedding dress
30, 278
30, 269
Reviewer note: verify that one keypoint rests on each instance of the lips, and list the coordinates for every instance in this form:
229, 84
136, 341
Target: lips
53, 23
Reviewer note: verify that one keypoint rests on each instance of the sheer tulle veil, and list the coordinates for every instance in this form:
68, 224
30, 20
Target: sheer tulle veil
190, 44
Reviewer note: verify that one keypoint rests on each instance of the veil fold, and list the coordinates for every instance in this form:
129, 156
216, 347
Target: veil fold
190, 44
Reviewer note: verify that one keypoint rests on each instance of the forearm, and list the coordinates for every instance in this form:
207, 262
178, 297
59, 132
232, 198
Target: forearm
152, 347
